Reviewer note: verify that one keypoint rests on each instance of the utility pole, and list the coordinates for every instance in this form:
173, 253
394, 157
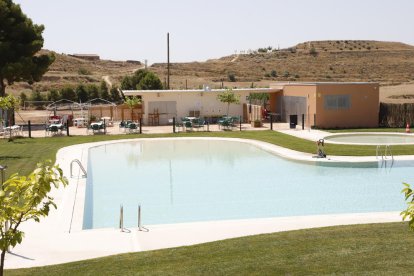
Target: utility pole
168, 61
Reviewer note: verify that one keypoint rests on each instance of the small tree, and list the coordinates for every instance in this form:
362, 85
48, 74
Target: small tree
131, 102
409, 212
228, 97
104, 91
150, 82
25, 198
8, 103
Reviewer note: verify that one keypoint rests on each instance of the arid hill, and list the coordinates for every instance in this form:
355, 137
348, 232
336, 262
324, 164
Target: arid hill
389, 63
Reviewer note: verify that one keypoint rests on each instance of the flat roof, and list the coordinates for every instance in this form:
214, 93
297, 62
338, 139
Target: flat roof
319, 83
250, 90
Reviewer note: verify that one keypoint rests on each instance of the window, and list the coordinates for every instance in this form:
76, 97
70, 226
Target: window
337, 102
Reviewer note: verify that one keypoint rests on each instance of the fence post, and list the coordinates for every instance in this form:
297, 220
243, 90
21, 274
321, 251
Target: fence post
67, 127
30, 128
240, 121
173, 124
271, 122
140, 125
303, 121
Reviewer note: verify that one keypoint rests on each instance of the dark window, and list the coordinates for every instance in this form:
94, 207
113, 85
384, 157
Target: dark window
337, 102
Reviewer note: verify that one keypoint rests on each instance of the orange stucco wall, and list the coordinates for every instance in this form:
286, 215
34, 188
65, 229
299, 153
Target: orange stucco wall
363, 111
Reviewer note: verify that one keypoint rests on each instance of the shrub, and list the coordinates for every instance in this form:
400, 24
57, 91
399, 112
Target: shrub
83, 71
231, 76
273, 73
286, 74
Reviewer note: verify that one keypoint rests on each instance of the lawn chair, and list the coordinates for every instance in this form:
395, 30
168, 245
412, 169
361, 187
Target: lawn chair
133, 128
188, 125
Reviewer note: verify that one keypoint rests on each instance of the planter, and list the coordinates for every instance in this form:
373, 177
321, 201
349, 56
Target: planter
256, 124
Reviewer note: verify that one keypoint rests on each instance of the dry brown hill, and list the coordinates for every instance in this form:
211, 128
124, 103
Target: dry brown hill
385, 62
389, 63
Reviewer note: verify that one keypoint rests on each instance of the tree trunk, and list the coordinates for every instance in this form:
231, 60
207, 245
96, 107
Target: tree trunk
2, 87
228, 107
3, 255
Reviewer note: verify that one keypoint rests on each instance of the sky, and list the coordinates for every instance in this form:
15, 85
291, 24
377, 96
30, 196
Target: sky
208, 29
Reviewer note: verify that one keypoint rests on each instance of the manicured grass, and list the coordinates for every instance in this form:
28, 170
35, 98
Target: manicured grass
371, 249
21, 155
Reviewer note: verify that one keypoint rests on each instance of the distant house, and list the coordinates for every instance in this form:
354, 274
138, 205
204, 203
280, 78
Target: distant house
86, 56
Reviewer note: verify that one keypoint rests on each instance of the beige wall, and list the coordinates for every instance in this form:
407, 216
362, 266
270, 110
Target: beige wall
364, 109
206, 102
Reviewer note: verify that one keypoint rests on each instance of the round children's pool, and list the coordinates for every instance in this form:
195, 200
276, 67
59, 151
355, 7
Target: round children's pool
371, 138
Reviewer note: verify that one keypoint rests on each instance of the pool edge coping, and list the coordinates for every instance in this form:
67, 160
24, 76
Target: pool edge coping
136, 243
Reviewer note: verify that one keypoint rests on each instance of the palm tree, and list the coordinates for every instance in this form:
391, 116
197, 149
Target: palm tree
131, 102
228, 97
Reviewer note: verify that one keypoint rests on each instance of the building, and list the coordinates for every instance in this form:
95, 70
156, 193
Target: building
320, 104
91, 57
327, 104
197, 102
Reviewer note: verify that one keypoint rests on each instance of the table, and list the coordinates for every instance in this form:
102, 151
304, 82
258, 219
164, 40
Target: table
13, 130
79, 122
97, 127
55, 128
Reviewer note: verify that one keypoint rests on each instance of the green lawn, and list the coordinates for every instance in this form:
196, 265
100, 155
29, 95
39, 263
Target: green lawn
21, 155
371, 249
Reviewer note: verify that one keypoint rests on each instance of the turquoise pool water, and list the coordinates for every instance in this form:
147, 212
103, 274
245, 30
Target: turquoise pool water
371, 139
198, 180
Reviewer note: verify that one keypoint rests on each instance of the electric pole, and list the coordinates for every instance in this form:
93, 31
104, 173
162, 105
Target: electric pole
168, 61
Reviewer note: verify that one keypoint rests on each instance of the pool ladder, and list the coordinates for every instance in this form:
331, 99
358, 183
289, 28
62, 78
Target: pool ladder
121, 220
384, 152
80, 166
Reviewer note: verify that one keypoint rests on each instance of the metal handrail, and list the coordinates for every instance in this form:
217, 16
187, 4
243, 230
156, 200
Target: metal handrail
80, 165
384, 152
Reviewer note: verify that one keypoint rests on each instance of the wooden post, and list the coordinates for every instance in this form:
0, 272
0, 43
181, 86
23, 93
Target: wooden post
30, 129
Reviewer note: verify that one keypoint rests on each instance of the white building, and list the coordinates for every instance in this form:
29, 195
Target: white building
197, 102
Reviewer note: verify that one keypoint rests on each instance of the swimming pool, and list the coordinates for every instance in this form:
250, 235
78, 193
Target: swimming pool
201, 180
371, 138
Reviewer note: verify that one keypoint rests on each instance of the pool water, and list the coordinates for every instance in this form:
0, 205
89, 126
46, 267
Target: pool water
200, 180
371, 139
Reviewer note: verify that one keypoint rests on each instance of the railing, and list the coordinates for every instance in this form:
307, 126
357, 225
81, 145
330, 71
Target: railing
384, 152
80, 165
121, 221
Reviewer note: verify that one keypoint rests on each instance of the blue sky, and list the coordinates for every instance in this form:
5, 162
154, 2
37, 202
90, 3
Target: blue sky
205, 29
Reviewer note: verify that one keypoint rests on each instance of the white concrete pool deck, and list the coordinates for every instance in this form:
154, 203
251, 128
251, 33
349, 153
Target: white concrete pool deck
59, 238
